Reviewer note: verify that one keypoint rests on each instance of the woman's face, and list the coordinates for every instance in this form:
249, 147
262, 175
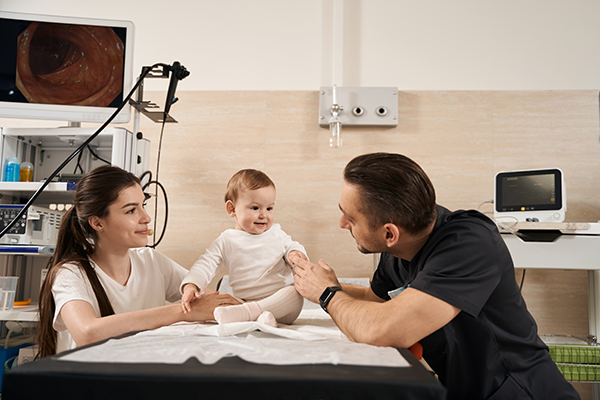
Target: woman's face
126, 225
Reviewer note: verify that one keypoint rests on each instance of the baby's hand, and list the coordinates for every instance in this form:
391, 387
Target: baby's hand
294, 256
190, 292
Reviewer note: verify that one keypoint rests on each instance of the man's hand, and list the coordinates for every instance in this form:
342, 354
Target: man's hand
312, 280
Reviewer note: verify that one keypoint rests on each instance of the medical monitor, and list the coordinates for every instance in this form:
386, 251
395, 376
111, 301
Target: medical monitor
530, 196
64, 68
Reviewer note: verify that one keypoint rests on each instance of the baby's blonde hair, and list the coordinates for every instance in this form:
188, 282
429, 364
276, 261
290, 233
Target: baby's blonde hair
246, 179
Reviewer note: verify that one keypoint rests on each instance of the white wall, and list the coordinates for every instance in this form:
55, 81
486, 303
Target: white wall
472, 45
415, 45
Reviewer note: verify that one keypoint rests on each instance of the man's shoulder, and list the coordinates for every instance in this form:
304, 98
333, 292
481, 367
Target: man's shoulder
458, 231
470, 219
388, 261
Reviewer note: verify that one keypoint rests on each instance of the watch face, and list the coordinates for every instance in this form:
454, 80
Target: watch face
327, 295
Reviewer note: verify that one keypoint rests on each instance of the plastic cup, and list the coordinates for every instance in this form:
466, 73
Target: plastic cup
8, 287
26, 172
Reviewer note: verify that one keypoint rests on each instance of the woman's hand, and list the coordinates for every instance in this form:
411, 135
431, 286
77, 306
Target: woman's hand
202, 309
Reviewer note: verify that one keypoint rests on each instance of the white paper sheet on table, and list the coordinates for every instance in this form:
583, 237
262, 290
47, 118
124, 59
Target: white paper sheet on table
312, 339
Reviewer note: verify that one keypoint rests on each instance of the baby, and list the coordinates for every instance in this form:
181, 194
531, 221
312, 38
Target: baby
258, 256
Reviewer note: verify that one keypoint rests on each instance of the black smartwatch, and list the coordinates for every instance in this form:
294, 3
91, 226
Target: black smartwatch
327, 296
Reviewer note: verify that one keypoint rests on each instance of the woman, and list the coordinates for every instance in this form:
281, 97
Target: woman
103, 281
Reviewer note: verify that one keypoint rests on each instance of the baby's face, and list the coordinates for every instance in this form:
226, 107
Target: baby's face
254, 210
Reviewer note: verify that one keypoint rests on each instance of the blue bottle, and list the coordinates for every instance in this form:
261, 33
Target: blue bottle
12, 170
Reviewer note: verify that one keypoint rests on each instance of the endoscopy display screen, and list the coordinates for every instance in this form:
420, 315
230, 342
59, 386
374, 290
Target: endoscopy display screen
528, 191
58, 63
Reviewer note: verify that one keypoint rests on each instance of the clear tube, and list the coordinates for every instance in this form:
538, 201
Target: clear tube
335, 138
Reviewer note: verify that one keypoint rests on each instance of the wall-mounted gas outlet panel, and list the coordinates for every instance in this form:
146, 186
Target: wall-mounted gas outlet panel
362, 106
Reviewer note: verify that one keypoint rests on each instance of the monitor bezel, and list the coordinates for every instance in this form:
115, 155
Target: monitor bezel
72, 113
533, 212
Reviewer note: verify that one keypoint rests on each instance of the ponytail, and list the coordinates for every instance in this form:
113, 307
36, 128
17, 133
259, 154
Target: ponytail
71, 248
96, 191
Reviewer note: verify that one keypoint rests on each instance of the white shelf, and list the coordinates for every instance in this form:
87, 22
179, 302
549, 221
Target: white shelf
566, 252
32, 186
55, 192
20, 314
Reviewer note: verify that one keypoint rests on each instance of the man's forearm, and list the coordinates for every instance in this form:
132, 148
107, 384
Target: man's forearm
357, 292
400, 322
361, 320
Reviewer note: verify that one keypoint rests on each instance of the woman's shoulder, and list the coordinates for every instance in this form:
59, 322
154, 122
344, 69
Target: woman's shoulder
70, 266
147, 256
142, 252
69, 272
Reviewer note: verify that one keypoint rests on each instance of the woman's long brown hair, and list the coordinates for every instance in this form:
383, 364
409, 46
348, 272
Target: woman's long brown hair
96, 191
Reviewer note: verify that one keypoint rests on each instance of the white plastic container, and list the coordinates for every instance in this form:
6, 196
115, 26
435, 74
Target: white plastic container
8, 287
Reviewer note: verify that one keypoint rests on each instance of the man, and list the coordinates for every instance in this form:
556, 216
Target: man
445, 279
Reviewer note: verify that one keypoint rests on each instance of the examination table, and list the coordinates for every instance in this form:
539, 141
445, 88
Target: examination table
310, 359
230, 378
107, 370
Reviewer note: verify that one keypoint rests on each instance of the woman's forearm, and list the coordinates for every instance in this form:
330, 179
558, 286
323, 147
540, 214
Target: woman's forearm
87, 330
85, 327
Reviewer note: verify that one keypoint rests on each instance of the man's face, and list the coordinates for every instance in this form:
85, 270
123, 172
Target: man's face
367, 240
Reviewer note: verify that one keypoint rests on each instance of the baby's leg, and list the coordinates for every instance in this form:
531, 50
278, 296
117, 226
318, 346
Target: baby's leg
285, 304
239, 313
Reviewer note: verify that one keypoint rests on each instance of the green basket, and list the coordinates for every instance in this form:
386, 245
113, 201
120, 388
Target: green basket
575, 354
580, 372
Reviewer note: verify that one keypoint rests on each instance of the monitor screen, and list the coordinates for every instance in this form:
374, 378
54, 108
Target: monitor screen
530, 195
64, 68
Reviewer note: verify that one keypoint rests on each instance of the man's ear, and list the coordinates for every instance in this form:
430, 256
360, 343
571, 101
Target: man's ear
95, 223
230, 207
392, 234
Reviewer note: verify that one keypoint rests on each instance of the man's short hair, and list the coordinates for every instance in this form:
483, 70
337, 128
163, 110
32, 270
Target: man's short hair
393, 189
246, 179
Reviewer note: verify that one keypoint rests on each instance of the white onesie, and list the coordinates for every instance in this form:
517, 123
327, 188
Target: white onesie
257, 264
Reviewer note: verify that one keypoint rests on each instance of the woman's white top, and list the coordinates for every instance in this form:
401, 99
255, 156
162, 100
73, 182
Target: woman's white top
257, 264
154, 278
